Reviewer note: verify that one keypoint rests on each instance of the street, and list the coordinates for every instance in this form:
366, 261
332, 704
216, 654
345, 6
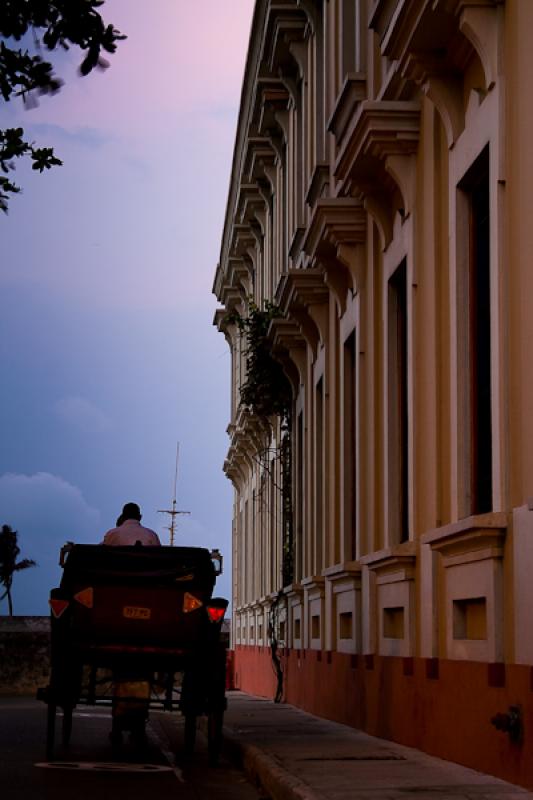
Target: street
91, 769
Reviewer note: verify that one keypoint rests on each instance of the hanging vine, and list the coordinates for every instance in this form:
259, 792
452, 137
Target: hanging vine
266, 392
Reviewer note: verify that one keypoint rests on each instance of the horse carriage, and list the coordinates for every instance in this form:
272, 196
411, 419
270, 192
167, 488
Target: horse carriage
136, 628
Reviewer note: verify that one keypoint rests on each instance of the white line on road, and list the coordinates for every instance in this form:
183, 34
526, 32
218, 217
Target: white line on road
163, 747
104, 766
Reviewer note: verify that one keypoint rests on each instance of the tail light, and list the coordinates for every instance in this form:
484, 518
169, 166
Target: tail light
215, 613
58, 606
85, 597
190, 603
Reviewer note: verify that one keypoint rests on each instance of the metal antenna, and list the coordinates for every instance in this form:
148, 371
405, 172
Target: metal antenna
173, 512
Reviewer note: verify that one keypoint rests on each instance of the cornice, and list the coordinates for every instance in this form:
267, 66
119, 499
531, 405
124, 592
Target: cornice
259, 153
335, 221
432, 43
244, 120
271, 99
376, 159
318, 184
337, 226
242, 240
285, 24
398, 561
249, 201
285, 333
295, 245
303, 296
299, 287
380, 129
289, 347
352, 93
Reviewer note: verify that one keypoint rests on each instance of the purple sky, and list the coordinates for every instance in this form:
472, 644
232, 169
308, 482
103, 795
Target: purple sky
107, 352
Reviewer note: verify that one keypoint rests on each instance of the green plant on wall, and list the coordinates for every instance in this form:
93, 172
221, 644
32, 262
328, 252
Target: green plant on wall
266, 390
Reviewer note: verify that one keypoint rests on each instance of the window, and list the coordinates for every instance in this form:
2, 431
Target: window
319, 474
299, 494
398, 410
349, 443
393, 623
345, 625
475, 187
470, 618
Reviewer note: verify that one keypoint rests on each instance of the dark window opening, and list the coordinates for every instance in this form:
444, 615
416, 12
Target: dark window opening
350, 445
299, 494
398, 401
476, 186
319, 473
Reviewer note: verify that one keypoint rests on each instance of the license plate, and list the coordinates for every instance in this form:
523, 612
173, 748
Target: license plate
136, 612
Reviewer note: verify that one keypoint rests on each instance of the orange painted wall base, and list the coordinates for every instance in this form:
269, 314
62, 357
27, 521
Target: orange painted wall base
441, 707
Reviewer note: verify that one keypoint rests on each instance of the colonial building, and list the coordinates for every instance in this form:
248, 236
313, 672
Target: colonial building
378, 245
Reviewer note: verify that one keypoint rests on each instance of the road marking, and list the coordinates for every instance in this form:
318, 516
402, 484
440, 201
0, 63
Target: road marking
103, 766
162, 745
91, 716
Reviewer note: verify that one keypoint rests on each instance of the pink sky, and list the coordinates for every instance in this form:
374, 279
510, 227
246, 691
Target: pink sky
184, 60
147, 147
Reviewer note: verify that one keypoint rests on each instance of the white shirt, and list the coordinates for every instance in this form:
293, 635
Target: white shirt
130, 532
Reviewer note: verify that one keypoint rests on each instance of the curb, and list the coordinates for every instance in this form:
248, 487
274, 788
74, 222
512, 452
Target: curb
265, 771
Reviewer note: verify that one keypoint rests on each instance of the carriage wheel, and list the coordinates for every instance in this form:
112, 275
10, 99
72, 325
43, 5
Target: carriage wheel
214, 736
190, 734
67, 725
50, 730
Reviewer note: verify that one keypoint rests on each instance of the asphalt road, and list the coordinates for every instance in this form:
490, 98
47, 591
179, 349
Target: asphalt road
91, 770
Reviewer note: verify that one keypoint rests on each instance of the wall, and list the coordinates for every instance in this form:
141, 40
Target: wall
24, 654
440, 706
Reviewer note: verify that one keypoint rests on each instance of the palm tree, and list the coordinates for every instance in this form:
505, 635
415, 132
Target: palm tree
9, 551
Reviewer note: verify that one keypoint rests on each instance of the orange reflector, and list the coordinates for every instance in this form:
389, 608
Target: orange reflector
215, 614
190, 603
58, 607
85, 597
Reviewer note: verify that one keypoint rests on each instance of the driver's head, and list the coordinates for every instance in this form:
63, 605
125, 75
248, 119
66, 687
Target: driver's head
131, 511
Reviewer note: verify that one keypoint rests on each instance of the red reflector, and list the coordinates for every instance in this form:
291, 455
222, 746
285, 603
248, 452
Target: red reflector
85, 597
58, 607
190, 603
215, 614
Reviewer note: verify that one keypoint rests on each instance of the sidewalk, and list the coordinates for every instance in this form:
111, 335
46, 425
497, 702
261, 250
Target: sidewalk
296, 756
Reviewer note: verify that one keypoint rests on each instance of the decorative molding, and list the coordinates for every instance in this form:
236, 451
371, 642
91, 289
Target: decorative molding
295, 246
303, 296
396, 563
352, 93
289, 347
473, 538
260, 155
273, 99
337, 227
284, 25
318, 184
479, 23
248, 202
443, 85
334, 222
380, 130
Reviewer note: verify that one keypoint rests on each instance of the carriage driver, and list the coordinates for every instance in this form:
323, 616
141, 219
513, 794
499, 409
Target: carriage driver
129, 531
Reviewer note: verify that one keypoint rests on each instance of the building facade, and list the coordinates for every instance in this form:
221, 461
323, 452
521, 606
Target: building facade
379, 224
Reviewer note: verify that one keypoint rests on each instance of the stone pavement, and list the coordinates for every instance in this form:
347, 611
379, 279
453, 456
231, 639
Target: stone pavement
296, 756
